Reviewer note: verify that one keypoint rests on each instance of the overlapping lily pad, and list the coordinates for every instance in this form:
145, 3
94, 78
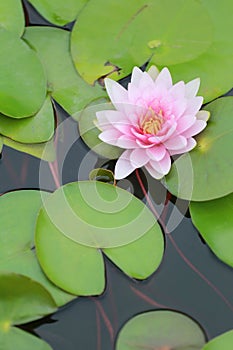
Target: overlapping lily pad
214, 221
98, 216
218, 58
203, 174
36, 129
223, 342
59, 12
162, 330
18, 212
90, 133
111, 38
64, 83
12, 16
22, 300
45, 150
23, 82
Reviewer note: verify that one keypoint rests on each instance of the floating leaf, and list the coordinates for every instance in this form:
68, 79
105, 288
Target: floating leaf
223, 342
98, 215
22, 89
15, 338
1, 144
12, 16
214, 220
59, 12
90, 133
218, 58
65, 85
203, 174
17, 236
45, 151
161, 330
22, 300
111, 38
103, 175
36, 129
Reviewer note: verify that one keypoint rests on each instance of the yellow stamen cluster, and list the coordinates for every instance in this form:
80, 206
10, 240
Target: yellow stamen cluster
152, 122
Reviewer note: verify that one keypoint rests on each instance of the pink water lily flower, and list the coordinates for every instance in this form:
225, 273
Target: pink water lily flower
153, 120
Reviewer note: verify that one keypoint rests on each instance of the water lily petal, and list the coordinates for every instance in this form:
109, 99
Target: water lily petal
156, 153
154, 173
126, 141
164, 79
123, 166
153, 72
163, 166
195, 129
137, 75
139, 157
177, 91
110, 136
191, 143
176, 143
194, 104
117, 93
184, 123
192, 87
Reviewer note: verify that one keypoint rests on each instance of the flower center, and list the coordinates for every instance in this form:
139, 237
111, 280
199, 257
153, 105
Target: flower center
152, 122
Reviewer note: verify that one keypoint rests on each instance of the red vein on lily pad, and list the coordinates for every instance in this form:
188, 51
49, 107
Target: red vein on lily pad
147, 299
179, 251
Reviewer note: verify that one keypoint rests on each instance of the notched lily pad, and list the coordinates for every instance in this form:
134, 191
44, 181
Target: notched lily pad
18, 212
65, 84
23, 82
161, 330
203, 173
140, 30
36, 129
99, 217
45, 151
22, 300
59, 12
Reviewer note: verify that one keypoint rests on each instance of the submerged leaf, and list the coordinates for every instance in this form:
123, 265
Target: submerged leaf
161, 330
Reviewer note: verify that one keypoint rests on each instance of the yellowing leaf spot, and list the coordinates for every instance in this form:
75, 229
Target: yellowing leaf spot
154, 44
5, 326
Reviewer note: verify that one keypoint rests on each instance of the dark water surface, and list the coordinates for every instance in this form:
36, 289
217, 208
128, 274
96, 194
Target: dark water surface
176, 286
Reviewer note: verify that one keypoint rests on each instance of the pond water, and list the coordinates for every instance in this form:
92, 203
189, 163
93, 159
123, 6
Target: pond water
190, 279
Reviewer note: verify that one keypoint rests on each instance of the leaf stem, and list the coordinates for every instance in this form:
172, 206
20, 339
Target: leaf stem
179, 251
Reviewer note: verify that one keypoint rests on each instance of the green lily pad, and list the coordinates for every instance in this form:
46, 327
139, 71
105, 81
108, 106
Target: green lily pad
22, 89
59, 12
204, 173
90, 133
22, 300
12, 16
214, 221
1, 144
218, 58
17, 236
98, 215
64, 83
45, 151
161, 330
223, 342
104, 175
111, 38
15, 338
36, 129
